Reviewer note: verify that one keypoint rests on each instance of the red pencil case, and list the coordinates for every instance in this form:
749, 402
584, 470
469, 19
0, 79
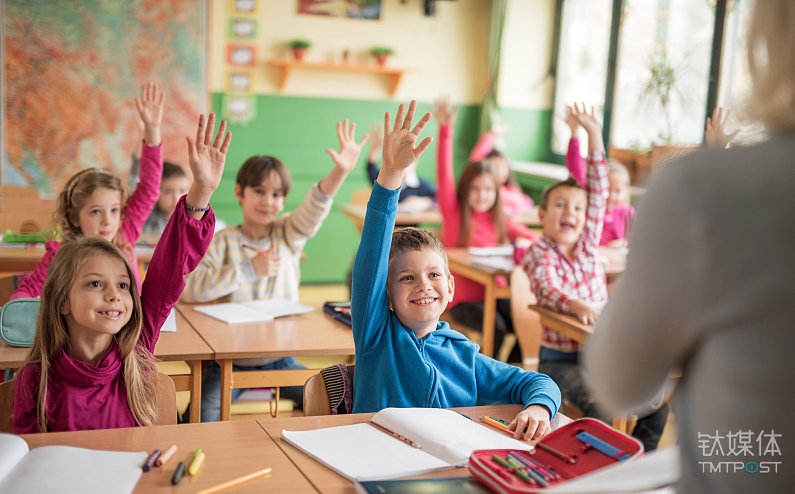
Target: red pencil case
573, 450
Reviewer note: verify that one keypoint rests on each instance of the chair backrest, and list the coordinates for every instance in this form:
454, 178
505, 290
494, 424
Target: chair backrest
526, 323
316, 399
165, 399
7, 287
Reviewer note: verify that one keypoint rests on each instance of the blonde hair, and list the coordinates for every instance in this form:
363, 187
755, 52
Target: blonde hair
75, 195
618, 168
52, 333
771, 43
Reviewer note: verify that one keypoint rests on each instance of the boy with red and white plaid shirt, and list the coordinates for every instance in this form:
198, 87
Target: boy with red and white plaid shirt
566, 276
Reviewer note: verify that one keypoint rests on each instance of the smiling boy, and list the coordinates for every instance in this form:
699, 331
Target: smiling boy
405, 357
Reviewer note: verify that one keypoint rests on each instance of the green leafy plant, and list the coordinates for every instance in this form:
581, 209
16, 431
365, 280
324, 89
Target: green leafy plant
664, 83
381, 50
299, 43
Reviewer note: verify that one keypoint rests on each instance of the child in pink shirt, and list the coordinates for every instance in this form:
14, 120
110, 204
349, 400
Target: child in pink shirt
472, 216
94, 201
91, 365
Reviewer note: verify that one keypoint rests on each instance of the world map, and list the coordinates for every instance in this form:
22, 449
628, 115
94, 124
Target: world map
71, 71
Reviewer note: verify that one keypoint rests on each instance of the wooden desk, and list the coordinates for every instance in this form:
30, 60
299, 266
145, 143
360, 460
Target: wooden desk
356, 213
185, 344
460, 262
232, 449
326, 481
564, 324
23, 259
310, 334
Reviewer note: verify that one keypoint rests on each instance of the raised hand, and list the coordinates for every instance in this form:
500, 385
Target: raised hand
572, 121
266, 265
591, 125
348, 154
715, 135
376, 142
206, 157
444, 113
399, 150
150, 109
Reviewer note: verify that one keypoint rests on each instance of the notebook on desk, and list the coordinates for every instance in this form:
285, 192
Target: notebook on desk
363, 452
254, 310
64, 469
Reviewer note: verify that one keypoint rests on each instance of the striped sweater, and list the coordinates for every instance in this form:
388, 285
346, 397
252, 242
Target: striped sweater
226, 274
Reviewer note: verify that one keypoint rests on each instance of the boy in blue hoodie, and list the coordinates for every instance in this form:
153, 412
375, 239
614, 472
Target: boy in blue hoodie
405, 357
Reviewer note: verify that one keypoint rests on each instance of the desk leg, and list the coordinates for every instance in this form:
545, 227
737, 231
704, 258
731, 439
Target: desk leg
489, 312
226, 389
195, 391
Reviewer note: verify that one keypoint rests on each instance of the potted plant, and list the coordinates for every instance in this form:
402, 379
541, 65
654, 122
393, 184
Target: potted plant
299, 47
381, 53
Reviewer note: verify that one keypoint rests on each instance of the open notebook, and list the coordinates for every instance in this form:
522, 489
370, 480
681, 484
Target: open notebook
362, 452
64, 469
253, 311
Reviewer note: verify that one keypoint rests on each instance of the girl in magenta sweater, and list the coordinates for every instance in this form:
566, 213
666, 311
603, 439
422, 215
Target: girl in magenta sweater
91, 365
472, 216
94, 201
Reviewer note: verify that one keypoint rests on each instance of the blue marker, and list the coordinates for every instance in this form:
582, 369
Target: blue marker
602, 446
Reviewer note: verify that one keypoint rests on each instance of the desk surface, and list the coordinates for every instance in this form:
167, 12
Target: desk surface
232, 449
327, 481
185, 344
460, 257
314, 333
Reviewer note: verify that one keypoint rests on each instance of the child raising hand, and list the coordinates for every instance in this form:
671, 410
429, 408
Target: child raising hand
91, 365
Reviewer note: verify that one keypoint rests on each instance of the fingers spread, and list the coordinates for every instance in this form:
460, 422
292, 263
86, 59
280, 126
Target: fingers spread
364, 139
200, 130
227, 142
399, 117
410, 115
340, 133
387, 121
220, 134
208, 132
138, 105
422, 147
421, 124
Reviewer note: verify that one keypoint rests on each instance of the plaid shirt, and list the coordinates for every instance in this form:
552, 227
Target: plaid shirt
555, 279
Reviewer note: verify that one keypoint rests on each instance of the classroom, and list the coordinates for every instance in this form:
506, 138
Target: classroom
337, 246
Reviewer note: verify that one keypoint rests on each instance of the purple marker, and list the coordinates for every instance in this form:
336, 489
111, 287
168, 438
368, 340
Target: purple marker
150, 462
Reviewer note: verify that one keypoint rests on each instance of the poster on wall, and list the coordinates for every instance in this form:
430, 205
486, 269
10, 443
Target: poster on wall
352, 9
70, 76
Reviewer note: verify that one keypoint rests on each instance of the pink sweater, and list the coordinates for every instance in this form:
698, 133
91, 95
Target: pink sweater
135, 213
514, 201
617, 222
482, 231
82, 396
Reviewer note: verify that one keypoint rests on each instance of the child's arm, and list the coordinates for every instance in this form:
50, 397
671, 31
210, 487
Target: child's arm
498, 382
596, 185
215, 276
344, 160
188, 233
33, 283
140, 204
445, 179
483, 147
574, 161
369, 303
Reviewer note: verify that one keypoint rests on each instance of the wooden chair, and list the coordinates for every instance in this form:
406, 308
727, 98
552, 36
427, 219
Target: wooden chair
316, 398
165, 400
526, 322
7, 287
360, 196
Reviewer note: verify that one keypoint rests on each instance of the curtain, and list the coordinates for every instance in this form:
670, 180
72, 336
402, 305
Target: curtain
489, 112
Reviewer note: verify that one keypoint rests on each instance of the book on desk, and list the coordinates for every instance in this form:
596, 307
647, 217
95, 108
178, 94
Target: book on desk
254, 310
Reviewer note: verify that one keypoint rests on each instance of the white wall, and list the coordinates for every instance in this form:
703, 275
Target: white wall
448, 51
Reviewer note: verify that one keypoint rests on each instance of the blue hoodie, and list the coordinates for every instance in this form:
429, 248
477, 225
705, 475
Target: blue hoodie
444, 369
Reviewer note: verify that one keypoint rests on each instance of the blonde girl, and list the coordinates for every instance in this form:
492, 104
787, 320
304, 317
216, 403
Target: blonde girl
472, 216
95, 202
91, 365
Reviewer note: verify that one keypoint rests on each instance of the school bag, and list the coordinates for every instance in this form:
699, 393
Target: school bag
18, 320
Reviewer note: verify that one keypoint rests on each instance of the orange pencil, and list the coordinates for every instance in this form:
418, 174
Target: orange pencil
234, 482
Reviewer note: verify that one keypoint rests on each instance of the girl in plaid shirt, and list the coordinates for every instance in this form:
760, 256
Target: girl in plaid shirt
566, 276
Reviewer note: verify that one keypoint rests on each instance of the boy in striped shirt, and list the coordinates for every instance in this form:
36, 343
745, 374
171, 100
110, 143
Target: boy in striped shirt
231, 273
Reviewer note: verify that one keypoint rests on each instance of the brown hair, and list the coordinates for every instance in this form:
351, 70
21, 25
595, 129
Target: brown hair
511, 176
52, 333
74, 196
471, 172
569, 182
258, 168
170, 170
414, 239
770, 44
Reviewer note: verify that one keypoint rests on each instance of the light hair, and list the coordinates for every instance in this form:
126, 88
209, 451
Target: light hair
416, 239
618, 168
471, 172
770, 44
52, 333
74, 196
569, 182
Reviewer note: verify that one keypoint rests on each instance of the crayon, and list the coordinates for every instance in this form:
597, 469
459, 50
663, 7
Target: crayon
178, 473
196, 463
150, 462
166, 456
235, 482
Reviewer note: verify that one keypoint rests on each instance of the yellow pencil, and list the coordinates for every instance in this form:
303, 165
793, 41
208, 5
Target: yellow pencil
198, 458
236, 481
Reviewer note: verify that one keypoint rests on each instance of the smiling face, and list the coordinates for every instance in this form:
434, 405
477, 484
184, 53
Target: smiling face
100, 215
261, 204
482, 192
564, 217
100, 302
419, 289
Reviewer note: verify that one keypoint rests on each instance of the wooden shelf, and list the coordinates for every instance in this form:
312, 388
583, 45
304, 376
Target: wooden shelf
288, 65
